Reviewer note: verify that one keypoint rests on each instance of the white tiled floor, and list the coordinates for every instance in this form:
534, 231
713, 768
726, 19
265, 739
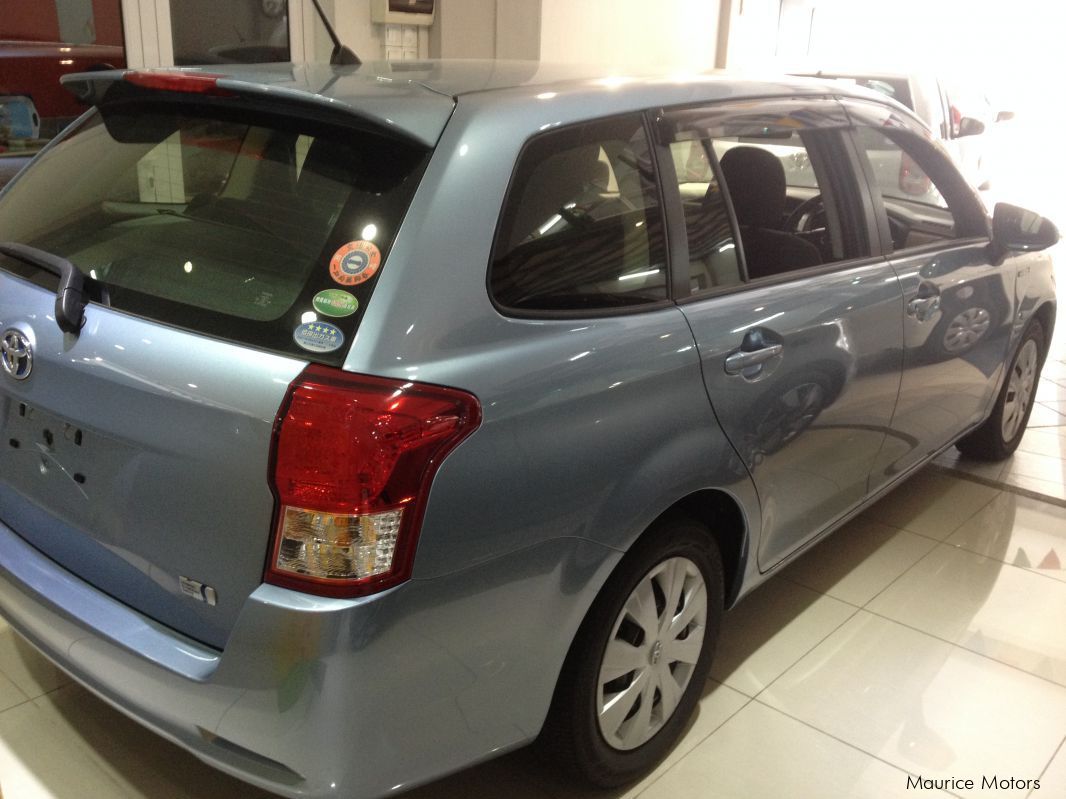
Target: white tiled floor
928, 637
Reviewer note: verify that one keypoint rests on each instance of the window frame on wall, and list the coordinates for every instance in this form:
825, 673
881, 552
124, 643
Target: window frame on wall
150, 38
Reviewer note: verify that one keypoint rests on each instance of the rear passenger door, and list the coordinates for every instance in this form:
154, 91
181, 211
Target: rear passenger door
796, 318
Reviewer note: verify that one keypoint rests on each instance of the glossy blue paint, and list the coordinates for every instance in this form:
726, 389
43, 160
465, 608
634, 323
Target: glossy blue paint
592, 427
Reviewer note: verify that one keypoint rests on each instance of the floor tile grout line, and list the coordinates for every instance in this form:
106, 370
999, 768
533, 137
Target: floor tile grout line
749, 700
1061, 749
814, 646
989, 483
1026, 569
848, 744
962, 648
906, 571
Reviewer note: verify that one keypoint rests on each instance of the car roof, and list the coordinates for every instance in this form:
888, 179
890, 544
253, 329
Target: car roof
416, 98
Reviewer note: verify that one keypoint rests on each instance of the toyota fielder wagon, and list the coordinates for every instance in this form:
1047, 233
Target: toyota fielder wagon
362, 423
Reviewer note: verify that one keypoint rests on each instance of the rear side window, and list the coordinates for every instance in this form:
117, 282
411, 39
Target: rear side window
265, 230
582, 227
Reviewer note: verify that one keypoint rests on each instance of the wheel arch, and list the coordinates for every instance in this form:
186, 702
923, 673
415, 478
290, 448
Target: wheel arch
1045, 314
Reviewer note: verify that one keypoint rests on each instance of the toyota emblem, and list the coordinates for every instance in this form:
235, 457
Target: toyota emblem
16, 354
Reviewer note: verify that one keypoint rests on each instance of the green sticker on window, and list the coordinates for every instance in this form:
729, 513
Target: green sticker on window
335, 302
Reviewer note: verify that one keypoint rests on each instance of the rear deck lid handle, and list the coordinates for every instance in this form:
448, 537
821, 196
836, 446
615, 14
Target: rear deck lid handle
70, 296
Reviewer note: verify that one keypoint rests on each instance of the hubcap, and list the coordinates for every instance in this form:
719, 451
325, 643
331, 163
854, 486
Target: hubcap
1020, 389
651, 653
965, 329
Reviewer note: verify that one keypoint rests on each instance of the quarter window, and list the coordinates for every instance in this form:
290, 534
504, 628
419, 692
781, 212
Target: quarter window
582, 226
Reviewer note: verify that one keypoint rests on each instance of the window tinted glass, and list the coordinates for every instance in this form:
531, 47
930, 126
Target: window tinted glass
922, 205
785, 215
228, 225
581, 227
712, 251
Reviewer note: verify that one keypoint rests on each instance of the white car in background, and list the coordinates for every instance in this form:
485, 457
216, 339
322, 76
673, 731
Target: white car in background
959, 114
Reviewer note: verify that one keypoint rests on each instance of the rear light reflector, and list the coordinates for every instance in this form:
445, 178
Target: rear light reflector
184, 82
353, 460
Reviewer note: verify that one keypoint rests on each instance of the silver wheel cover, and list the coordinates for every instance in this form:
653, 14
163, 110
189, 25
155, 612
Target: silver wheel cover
1021, 382
651, 653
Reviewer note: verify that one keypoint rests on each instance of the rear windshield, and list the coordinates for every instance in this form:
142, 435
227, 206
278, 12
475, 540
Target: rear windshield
265, 230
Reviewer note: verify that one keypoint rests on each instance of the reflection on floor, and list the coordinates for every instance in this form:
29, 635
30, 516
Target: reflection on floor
925, 639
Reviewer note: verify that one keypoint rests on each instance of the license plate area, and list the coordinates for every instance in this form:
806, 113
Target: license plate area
39, 443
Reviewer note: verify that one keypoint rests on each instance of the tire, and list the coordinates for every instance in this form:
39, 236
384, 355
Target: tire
607, 749
999, 435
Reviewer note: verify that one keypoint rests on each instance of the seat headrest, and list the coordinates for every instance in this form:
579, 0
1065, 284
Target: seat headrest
755, 181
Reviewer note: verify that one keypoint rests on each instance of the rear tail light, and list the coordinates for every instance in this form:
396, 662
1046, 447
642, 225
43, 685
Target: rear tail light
353, 460
912, 178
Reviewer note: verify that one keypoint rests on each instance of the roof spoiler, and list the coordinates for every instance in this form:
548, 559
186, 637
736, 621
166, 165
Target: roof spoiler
103, 88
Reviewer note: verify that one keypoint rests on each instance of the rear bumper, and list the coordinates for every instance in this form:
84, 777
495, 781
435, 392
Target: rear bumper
320, 697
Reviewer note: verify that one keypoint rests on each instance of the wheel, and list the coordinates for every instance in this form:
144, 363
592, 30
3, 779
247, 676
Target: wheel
640, 660
1000, 434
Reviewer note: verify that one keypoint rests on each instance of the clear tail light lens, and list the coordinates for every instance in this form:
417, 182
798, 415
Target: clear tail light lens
353, 460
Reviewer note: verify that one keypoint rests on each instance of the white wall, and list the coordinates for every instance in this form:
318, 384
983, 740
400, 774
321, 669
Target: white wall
671, 34
518, 27
367, 39
464, 29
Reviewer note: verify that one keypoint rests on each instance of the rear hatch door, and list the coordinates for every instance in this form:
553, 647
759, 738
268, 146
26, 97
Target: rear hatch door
224, 246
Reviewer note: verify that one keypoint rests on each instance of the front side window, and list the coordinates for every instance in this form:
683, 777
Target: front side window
922, 195
582, 226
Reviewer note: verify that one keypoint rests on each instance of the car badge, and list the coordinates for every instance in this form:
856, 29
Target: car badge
16, 354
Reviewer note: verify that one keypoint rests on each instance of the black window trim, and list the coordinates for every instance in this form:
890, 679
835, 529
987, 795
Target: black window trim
584, 313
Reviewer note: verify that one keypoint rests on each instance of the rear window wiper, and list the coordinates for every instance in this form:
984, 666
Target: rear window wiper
71, 298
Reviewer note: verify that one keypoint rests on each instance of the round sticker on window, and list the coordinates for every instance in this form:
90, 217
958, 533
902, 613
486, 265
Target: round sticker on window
355, 263
318, 337
335, 302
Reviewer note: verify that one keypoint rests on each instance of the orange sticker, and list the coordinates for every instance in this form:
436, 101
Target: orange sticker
355, 263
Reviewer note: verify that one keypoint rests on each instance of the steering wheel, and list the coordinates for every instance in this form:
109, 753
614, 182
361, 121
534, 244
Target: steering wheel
803, 215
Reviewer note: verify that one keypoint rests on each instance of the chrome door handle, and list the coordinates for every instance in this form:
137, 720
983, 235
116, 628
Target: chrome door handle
741, 361
923, 307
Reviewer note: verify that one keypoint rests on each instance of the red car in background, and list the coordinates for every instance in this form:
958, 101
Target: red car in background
33, 69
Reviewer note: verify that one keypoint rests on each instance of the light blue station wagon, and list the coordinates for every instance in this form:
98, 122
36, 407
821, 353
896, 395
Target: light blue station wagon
361, 423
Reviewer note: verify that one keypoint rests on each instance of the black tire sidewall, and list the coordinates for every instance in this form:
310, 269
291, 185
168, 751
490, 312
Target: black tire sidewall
593, 759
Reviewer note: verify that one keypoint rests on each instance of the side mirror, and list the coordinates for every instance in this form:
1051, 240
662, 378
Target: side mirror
1004, 116
1015, 229
968, 126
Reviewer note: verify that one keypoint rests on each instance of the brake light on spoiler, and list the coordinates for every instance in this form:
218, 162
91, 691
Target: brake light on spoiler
183, 82
353, 460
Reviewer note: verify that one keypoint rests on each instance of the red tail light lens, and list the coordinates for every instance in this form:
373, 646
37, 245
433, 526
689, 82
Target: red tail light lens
912, 178
353, 458
184, 82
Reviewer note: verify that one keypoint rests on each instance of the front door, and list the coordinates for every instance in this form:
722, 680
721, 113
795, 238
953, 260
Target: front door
958, 307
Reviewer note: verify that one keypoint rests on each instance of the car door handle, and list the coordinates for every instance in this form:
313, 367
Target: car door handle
741, 360
921, 308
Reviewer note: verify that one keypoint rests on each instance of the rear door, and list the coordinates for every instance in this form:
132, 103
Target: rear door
223, 249
796, 319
